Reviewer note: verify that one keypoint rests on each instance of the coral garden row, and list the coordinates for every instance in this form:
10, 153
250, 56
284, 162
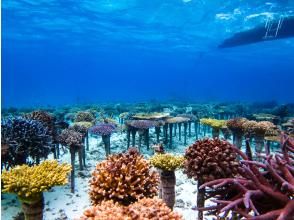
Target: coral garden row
250, 178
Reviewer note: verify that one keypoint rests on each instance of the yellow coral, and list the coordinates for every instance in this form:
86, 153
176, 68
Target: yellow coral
167, 162
214, 123
85, 124
29, 182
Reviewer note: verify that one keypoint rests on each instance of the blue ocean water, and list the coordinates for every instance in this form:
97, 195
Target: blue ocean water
57, 52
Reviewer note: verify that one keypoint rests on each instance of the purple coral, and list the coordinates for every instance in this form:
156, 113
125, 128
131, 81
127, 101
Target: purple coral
142, 124
103, 129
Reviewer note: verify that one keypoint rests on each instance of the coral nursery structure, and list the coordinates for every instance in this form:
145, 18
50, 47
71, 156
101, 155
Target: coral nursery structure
242, 182
167, 164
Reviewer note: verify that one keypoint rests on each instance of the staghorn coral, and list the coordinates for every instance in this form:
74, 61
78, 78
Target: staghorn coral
124, 177
84, 116
25, 138
207, 160
145, 208
263, 191
28, 182
167, 162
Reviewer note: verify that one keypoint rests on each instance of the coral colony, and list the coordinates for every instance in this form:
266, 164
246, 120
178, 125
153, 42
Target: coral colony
238, 160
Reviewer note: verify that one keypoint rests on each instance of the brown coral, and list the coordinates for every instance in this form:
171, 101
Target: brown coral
210, 159
145, 208
264, 190
124, 177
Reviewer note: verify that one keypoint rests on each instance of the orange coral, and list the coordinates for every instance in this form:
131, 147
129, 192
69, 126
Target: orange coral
145, 208
124, 177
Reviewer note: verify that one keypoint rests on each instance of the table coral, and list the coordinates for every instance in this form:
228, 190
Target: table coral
124, 177
167, 162
84, 116
28, 182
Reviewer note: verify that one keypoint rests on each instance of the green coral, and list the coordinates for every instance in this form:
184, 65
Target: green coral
214, 123
167, 162
29, 182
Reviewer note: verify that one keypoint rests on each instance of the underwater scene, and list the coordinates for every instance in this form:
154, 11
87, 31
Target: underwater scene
137, 110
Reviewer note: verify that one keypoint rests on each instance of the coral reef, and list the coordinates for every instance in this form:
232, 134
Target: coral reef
236, 126
177, 121
258, 131
145, 208
142, 126
215, 124
263, 191
73, 140
105, 130
25, 138
83, 128
210, 159
167, 162
207, 160
28, 182
124, 177
84, 116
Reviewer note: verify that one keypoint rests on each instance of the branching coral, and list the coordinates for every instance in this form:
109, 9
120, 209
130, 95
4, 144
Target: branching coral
264, 191
167, 162
28, 182
84, 116
70, 137
25, 138
124, 177
145, 208
45, 118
